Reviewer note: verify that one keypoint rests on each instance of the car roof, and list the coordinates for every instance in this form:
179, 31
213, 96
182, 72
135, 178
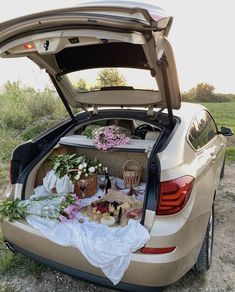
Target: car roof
188, 110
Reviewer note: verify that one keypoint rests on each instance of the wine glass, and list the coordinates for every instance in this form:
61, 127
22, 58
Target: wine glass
82, 186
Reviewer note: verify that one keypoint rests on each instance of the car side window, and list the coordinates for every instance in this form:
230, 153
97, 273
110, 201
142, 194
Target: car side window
202, 130
194, 135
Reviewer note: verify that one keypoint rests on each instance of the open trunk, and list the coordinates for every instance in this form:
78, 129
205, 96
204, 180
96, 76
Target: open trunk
144, 151
114, 160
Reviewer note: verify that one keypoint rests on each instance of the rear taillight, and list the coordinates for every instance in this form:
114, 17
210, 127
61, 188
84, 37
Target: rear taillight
174, 195
157, 250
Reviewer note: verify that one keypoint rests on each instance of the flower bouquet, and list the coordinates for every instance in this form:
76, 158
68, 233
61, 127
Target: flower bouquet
56, 207
107, 137
81, 171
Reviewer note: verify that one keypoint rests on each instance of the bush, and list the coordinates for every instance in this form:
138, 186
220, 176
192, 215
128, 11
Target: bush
21, 106
204, 92
24, 113
9, 139
12, 107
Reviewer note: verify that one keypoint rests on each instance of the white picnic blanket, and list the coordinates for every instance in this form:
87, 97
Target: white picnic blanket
107, 248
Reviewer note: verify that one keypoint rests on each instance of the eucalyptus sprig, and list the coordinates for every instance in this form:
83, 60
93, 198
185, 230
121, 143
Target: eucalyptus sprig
9, 208
64, 162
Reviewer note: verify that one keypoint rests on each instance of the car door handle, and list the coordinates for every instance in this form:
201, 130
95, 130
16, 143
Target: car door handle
213, 156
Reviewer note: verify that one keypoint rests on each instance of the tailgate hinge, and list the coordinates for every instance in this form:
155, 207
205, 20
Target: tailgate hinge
95, 110
150, 112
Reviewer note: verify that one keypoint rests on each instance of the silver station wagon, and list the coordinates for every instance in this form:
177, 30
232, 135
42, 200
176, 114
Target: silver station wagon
178, 145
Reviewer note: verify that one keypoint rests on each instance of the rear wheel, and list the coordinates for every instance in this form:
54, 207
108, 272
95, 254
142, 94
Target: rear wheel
204, 259
222, 169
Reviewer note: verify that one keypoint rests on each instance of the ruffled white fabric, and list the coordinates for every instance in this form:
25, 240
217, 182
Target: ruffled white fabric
107, 248
62, 185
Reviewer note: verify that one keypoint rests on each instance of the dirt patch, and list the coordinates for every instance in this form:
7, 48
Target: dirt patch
220, 278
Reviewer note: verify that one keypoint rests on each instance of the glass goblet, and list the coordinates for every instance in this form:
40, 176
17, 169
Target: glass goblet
82, 186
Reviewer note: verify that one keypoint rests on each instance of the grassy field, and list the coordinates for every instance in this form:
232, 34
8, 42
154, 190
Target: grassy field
27, 120
223, 114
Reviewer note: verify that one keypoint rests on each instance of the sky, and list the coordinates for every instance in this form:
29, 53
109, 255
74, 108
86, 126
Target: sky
202, 37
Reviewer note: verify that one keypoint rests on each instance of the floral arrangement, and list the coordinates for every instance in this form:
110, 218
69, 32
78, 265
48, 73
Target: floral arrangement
88, 167
69, 207
57, 207
64, 163
107, 137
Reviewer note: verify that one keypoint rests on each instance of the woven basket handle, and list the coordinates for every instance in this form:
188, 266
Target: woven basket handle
130, 161
72, 170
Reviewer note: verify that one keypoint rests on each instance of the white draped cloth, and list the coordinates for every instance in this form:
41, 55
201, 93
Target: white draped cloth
109, 248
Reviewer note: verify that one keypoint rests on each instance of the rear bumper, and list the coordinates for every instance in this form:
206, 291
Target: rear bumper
145, 270
84, 275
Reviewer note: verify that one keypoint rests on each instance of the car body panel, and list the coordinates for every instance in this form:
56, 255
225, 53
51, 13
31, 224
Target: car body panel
157, 270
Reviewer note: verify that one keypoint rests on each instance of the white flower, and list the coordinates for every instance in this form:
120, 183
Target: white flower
77, 177
84, 165
91, 169
100, 165
80, 166
86, 174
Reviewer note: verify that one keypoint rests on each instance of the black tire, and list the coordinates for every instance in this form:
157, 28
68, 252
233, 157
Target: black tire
204, 259
222, 170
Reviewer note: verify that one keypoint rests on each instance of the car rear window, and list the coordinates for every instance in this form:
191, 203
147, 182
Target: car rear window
97, 79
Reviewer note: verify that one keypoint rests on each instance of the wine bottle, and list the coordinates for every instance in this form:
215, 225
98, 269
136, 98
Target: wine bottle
107, 181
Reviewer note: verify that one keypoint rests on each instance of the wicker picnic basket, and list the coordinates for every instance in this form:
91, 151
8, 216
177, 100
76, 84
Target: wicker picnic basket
131, 173
90, 184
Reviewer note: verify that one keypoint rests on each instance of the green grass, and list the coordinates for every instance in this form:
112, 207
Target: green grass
16, 264
24, 113
224, 113
230, 153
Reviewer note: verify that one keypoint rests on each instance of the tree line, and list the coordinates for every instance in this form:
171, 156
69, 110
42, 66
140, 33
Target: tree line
202, 92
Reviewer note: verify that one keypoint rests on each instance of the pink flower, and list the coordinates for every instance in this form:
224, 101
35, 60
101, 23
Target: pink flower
104, 147
68, 209
71, 216
110, 135
62, 218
